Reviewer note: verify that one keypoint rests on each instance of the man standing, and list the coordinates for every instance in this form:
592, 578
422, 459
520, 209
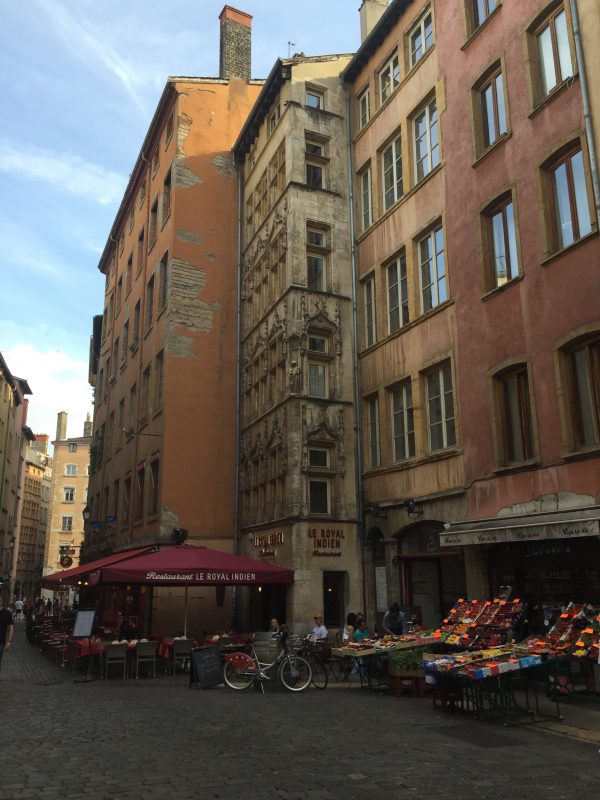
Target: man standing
394, 621
6, 628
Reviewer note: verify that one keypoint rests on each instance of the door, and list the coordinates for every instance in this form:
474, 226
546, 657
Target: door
425, 584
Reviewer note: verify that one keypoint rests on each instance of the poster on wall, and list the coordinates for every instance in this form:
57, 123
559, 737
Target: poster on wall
381, 588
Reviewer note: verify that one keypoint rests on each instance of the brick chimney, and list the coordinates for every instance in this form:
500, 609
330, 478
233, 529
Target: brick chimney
371, 12
236, 40
61, 426
87, 426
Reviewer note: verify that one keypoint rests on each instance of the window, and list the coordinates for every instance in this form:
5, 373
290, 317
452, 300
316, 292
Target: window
440, 408
427, 148
136, 325
274, 118
132, 408
318, 457
501, 244
120, 422
571, 219
125, 342
149, 305
169, 127
138, 511
493, 113
433, 269
159, 365
315, 98
364, 108
481, 9
153, 490
126, 501
71, 469
316, 162
131, 219
391, 165
68, 494
318, 496
67, 524
119, 296
403, 430
389, 79
553, 51
162, 280
370, 323
140, 251
421, 38
583, 367
166, 197
72, 447
121, 242
146, 409
397, 290
365, 198
515, 415
155, 160
317, 379
373, 431
128, 273
142, 192
115, 500
316, 256
317, 344
153, 224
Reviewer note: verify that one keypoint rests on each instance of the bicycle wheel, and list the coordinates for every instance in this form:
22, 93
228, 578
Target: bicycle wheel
295, 674
236, 679
319, 672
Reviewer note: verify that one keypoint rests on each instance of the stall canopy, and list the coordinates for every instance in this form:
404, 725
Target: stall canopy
189, 565
71, 576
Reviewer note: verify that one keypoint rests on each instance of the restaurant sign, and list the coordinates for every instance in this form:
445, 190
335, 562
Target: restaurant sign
525, 533
228, 578
326, 542
266, 543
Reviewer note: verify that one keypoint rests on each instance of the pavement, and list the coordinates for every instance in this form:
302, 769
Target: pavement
153, 739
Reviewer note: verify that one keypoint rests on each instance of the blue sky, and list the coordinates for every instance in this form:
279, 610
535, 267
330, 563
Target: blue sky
79, 82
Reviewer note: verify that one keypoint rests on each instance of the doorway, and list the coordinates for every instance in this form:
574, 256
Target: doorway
334, 600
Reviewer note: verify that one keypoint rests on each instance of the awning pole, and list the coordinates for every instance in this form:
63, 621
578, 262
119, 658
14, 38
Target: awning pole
185, 612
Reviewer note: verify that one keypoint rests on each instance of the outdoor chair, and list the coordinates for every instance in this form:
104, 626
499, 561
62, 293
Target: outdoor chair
115, 654
182, 653
145, 653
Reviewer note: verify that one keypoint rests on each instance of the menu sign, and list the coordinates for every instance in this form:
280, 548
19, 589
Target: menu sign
266, 543
567, 530
206, 668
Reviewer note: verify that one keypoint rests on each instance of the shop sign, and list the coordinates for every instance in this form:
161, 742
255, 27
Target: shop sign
527, 533
266, 543
326, 542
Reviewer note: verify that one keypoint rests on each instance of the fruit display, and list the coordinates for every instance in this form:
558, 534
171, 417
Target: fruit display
576, 633
480, 623
481, 664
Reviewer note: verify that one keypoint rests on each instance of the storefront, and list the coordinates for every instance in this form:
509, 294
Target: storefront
548, 558
327, 576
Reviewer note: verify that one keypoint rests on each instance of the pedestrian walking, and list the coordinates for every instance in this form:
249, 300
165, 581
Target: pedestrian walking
6, 628
18, 608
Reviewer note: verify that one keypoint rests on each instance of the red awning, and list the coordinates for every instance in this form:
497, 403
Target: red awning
188, 565
70, 576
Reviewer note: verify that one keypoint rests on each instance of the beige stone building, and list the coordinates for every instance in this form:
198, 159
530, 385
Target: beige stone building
297, 426
68, 496
14, 437
33, 527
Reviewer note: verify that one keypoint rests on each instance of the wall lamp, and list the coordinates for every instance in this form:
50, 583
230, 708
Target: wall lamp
412, 509
375, 510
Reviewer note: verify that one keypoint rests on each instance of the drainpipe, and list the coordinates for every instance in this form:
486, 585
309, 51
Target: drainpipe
358, 449
587, 109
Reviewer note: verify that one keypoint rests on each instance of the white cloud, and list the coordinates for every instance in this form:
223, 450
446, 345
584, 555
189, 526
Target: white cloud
64, 171
85, 43
22, 248
58, 383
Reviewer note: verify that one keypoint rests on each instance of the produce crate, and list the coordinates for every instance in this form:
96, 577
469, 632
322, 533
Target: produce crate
410, 685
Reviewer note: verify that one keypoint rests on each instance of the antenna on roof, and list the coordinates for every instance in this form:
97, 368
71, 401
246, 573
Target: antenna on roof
290, 45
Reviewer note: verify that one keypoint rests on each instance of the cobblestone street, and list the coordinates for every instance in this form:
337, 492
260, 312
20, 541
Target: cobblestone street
124, 740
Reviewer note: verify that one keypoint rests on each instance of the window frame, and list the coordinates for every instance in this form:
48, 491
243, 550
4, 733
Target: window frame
589, 343
323, 482
491, 118
396, 187
512, 253
404, 411
401, 292
370, 307
548, 21
419, 28
364, 108
438, 280
443, 371
433, 151
554, 223
373, 431
391, 68
508, 427
366, 196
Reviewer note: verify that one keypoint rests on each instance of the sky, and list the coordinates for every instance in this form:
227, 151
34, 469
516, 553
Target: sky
79, 83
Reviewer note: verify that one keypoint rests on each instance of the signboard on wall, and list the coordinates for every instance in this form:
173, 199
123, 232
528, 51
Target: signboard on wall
381, 588
524, 533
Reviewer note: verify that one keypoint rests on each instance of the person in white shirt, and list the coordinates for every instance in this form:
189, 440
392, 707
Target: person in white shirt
319, 632
18, 608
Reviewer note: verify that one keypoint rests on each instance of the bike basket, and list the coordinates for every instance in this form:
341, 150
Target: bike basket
294, 643
240, 661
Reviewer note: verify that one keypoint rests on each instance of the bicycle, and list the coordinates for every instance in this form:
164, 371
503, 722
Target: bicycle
313, 653
242, 669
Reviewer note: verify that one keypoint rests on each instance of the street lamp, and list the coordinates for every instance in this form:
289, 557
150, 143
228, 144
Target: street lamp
87, 514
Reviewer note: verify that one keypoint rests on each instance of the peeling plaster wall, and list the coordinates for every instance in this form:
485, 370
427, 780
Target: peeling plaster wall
186, 308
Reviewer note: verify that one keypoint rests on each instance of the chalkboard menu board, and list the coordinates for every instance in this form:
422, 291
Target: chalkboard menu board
206, 669
83, 624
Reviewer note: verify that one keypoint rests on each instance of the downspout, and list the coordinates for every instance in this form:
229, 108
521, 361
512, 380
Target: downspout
238, 317
358, 440
587, 109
